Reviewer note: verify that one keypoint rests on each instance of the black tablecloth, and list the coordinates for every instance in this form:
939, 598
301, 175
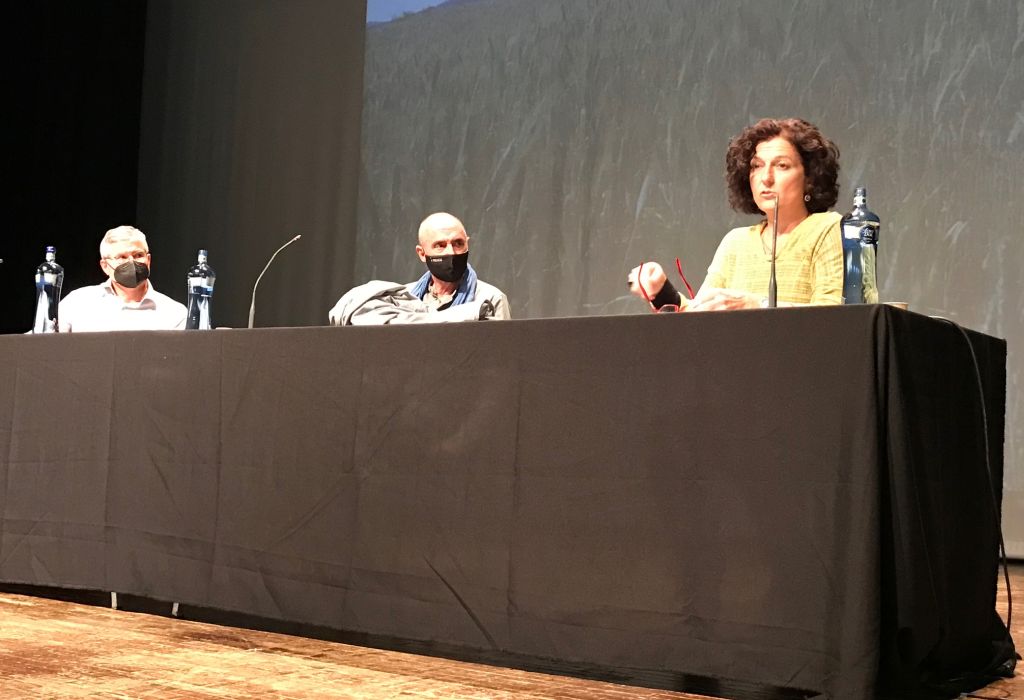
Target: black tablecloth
796, 498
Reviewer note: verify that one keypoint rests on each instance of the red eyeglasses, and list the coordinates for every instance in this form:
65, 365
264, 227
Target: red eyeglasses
667, 308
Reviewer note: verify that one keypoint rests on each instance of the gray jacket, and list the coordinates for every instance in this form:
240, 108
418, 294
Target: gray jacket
379, 302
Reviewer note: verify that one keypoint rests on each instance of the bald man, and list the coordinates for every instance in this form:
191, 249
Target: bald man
450, 280
448, 291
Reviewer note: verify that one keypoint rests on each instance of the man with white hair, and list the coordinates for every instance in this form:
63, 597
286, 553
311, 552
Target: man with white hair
448, 291
127, 301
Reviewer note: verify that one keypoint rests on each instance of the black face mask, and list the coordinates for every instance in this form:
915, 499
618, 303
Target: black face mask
131, 273
448, 268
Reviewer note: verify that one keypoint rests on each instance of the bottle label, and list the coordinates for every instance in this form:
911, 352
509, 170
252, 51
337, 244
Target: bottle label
200, 282
851, 231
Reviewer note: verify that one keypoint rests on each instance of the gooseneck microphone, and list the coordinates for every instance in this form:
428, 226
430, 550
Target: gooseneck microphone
773, 291
252, 306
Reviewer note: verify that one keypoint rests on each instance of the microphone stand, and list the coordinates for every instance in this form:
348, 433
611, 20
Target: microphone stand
252, 306
773, 291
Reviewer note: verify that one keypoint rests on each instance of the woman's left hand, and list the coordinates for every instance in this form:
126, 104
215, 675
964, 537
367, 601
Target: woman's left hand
717, 299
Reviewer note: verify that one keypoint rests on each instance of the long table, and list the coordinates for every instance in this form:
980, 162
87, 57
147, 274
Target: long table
794, 498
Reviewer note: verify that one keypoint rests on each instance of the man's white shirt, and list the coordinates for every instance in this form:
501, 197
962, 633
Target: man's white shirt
98, 308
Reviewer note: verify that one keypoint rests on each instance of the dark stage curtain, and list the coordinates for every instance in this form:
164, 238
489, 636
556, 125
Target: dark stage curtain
71, 138
250, 135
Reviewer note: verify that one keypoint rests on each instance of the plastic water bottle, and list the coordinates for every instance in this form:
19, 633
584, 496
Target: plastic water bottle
49, 280
200, 295
860, 247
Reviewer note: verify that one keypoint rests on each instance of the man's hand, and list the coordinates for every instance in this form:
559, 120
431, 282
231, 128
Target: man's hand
717, 299
650, 275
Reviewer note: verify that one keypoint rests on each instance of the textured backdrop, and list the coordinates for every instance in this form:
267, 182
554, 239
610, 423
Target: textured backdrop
577, 138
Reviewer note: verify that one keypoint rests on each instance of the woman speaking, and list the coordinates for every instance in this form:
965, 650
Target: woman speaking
787, 170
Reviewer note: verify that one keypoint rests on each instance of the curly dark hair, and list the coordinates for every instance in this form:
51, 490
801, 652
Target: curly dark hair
819, 155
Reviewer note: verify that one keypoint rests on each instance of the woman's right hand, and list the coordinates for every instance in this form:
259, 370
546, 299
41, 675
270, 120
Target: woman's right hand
650, 275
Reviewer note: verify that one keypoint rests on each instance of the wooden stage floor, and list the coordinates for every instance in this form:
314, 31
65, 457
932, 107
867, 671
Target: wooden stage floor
55, 649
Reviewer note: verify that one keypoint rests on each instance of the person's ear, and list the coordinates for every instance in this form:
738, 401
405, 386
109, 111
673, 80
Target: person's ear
421, 253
